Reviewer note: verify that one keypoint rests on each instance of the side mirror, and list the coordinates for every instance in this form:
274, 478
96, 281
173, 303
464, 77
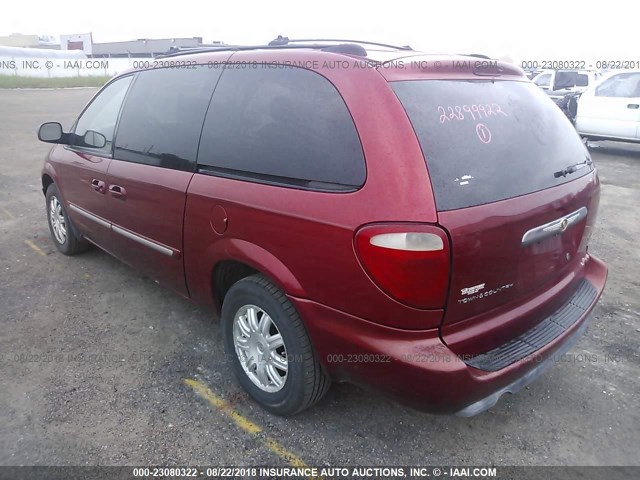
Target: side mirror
51, 132
93, 139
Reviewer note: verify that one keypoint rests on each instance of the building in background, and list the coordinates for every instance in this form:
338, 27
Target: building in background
29, 41
140, 48
144, 47
78, 55
77, 41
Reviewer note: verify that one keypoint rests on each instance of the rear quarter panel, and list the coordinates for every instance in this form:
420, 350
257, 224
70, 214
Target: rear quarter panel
304, 239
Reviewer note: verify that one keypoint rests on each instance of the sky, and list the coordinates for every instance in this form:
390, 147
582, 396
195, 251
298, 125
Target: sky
516, 30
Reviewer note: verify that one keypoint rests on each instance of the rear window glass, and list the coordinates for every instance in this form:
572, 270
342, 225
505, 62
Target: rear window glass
485, 141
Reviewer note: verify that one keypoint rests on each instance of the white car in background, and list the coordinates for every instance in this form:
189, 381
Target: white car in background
610, 110
558, 83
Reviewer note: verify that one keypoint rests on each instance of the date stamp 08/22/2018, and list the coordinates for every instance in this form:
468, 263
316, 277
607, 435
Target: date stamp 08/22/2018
571, 64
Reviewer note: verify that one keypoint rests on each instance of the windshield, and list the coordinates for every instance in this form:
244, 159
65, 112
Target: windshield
486, 140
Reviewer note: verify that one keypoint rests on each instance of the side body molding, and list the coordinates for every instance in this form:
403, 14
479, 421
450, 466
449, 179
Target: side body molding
152, 244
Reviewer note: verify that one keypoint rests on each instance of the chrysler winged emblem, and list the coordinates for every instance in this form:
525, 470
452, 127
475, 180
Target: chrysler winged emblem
555, 227
564, 224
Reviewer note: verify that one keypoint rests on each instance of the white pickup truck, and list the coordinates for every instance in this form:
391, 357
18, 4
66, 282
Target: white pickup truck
610, 109
558, 83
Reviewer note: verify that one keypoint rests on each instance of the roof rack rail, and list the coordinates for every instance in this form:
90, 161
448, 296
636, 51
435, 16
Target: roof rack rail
477, 55
282, 41
177, 51
348, 46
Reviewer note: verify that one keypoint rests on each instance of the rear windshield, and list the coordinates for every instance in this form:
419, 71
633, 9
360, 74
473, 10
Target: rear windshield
485, 141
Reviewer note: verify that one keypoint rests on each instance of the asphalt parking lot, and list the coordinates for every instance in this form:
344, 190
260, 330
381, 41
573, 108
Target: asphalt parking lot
101, 366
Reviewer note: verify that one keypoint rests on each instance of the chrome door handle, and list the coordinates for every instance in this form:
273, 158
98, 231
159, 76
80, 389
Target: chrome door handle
117, 191
98, 185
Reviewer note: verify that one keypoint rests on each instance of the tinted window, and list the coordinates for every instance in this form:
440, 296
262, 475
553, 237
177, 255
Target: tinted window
622, 85
102, 114
287, 125
543, 80
485, 141
582, 80
163, 115
568, 79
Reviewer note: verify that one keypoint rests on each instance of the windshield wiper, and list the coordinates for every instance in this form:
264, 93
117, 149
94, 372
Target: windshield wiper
572, 168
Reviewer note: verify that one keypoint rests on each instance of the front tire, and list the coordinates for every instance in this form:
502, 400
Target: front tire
269, 347
62, 231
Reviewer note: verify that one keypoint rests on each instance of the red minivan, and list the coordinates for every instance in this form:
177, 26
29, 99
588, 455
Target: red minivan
356, 212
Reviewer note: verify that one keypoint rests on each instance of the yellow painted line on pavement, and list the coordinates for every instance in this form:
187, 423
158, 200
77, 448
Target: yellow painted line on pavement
244, 423
35, 248
7, 213
282, 452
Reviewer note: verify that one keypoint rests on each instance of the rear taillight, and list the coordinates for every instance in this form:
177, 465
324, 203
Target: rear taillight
409, 262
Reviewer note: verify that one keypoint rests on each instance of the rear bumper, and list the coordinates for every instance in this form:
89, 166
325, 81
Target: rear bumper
528, 377
417, 368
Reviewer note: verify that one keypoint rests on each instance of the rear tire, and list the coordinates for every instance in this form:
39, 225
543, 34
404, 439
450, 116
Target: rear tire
62, 231
257, 315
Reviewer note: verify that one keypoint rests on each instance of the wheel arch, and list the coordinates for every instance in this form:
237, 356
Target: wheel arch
48, 177
46, 181
237, 259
